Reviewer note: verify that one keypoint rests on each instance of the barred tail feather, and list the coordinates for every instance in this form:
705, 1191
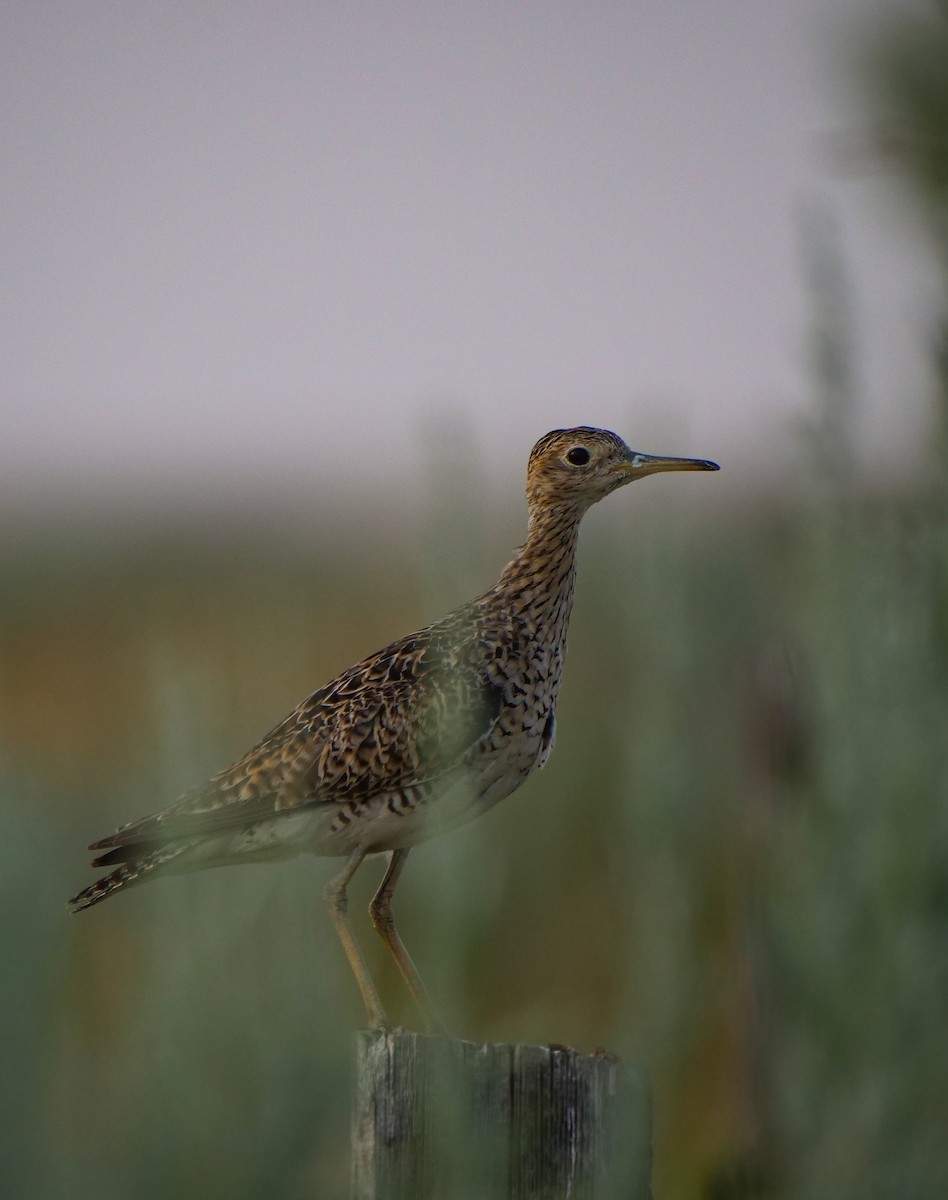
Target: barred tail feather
129, 874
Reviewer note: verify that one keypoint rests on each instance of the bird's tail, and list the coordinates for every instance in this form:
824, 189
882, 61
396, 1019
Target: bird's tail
141, 862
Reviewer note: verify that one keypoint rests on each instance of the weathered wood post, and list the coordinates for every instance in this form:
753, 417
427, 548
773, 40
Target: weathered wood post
440, 1119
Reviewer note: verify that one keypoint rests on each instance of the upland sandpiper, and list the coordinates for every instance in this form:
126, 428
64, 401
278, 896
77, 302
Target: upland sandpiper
415, 739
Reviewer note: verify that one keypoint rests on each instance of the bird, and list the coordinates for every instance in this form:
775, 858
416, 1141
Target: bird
422, 736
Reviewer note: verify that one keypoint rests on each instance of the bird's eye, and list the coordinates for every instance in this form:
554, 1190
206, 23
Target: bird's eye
578, 456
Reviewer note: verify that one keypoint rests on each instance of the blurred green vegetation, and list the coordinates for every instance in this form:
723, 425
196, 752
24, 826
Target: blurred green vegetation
897, 62
733, 870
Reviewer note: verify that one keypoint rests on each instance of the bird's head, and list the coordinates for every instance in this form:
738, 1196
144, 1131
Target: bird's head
579, 466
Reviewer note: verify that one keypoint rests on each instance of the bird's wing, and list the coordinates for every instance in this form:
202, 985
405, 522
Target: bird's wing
407, 714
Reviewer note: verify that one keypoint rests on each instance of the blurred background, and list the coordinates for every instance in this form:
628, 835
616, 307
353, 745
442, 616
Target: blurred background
289, 292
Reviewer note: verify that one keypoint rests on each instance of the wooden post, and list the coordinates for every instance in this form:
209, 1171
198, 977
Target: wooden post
439, 1119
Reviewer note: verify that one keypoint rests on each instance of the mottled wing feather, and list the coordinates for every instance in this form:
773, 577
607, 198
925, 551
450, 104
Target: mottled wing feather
408, 713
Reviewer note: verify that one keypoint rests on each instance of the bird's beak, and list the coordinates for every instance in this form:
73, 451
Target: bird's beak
640, 465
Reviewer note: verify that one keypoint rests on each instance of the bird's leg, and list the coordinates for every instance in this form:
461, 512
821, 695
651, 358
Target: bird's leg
338, 902
380, 911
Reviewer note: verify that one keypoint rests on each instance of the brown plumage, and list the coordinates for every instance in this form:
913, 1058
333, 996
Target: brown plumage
419, 737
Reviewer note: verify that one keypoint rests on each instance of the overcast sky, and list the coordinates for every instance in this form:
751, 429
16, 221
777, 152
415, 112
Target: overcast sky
274, 242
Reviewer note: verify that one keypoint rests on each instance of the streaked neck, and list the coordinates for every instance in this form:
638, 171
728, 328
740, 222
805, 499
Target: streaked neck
540, 579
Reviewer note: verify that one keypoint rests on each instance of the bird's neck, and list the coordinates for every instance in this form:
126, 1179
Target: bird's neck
538, 583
